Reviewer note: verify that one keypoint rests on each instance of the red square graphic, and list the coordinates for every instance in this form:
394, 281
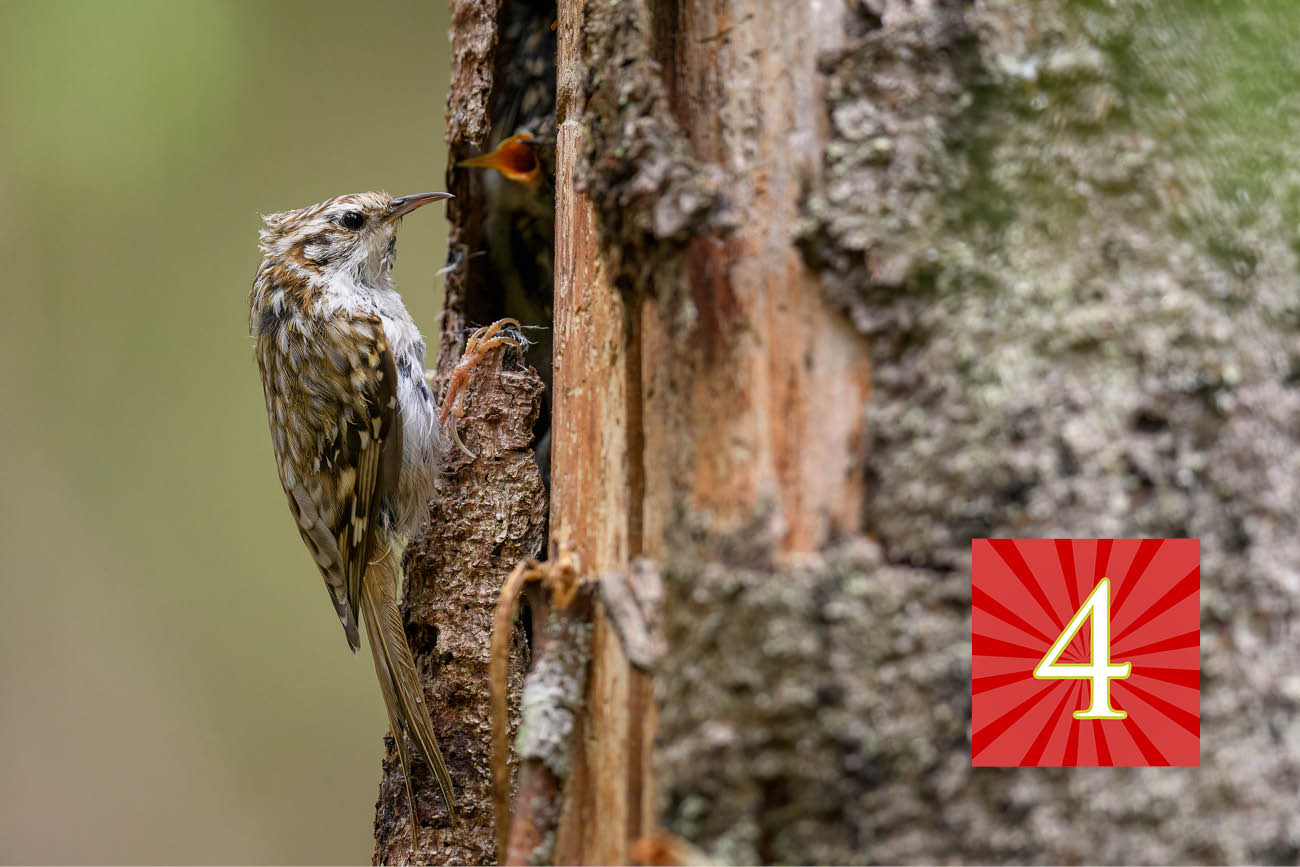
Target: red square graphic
1045, 612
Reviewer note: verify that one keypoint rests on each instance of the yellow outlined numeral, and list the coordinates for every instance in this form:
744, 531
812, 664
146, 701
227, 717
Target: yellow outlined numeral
1100, 670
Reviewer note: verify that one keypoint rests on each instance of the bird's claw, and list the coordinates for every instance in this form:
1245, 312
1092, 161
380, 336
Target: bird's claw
480, 343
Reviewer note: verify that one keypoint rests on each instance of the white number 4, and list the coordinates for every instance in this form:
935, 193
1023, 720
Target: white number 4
1100, 670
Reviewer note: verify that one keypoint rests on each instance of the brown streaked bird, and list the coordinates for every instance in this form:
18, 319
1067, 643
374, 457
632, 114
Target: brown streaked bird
354, 426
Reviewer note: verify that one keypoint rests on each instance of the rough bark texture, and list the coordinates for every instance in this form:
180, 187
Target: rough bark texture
778, 687
1070, 232
474, 42
499, 258
1065, 233
699, 370
488, 513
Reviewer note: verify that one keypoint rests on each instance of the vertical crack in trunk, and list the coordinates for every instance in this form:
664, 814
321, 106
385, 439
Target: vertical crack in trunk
490, 512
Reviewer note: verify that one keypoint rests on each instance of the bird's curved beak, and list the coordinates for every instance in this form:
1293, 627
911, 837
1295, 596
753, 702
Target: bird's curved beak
405, 204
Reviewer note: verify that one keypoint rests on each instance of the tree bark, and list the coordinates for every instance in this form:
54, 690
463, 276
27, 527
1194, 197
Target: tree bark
840, 287
488, 512
702, 378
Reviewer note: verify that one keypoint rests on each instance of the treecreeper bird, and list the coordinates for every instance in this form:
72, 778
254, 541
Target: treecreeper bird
354, 425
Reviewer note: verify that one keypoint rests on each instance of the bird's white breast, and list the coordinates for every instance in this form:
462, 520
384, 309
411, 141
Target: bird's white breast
421, 445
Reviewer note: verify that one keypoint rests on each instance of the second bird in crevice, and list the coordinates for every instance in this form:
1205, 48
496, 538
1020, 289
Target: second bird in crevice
518, 202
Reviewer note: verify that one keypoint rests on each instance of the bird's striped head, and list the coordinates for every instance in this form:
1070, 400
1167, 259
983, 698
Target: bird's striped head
353, 234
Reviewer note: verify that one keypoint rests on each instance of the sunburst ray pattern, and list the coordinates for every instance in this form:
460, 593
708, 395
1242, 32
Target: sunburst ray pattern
1025, 591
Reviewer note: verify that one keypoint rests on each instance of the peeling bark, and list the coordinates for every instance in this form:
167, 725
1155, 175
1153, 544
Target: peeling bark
840, 286
551, 704
986, 268
699, 371
592, 500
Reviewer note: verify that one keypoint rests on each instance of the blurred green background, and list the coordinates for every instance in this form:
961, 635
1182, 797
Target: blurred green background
175, 686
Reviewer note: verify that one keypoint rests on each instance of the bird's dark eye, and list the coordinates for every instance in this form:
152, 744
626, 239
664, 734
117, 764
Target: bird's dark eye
352, 220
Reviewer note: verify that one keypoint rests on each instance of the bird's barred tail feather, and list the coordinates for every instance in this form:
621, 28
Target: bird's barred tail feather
398, 680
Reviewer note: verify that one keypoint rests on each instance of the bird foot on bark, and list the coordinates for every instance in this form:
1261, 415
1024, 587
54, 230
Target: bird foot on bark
480, 343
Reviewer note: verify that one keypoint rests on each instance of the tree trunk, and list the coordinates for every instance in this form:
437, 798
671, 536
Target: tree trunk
840, 287
708, 394
488, 512
702, 379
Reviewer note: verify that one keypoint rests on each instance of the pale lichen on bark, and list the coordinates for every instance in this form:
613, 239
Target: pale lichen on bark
772, 725
553, 695
1069, 229
551, 705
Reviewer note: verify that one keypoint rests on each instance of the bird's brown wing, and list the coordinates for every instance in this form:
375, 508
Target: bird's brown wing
365, 452
334, 419
336, 428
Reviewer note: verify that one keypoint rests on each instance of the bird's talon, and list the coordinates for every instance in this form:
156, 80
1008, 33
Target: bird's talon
455, 436
479, 344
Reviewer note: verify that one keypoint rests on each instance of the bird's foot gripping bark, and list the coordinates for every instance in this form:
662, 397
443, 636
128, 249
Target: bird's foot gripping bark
480, 343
